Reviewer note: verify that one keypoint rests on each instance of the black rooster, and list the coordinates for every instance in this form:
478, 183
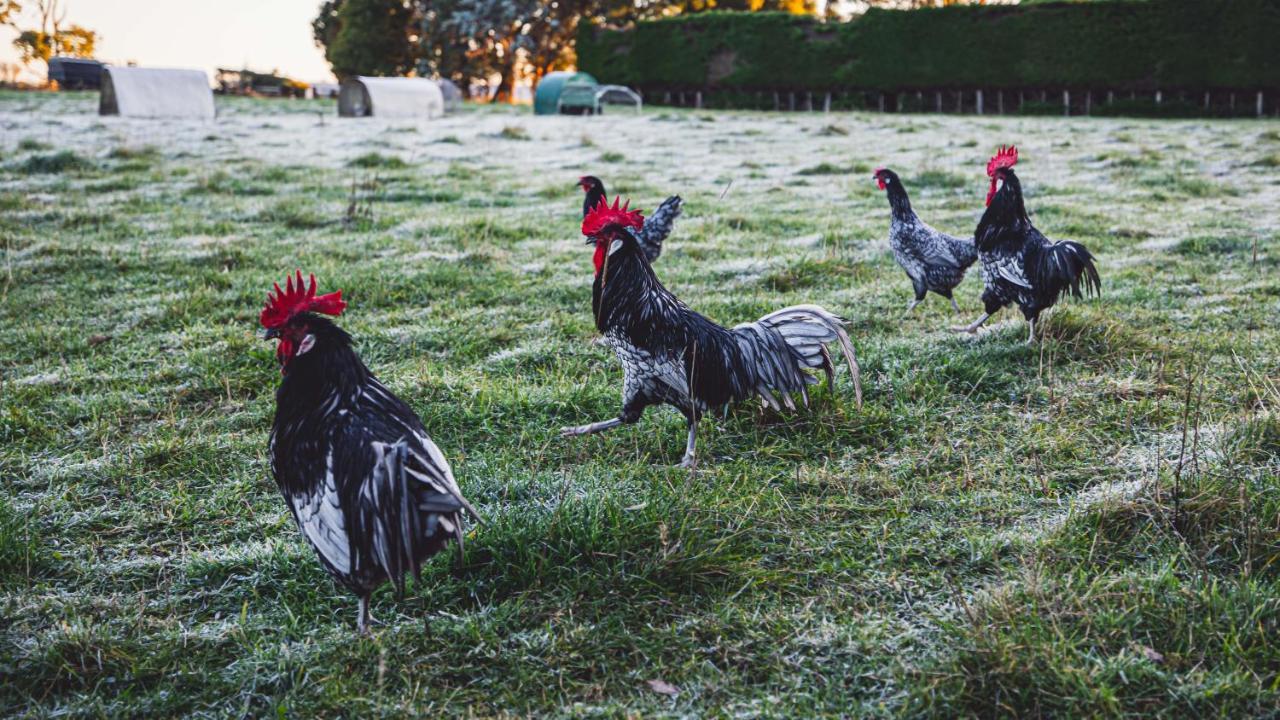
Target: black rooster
1019, 264
656, 228
933, 260
369, 490
671, 354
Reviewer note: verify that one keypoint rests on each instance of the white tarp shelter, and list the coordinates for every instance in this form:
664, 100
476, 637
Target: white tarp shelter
155, 93
395, 97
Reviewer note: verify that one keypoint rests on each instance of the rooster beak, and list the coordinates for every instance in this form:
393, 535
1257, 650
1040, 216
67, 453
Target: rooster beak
271, 334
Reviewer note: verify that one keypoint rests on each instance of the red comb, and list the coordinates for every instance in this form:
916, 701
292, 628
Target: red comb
1006, 157
602, 215
298, 298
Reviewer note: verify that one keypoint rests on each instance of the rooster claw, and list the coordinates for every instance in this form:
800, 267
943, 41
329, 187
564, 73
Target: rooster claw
965, 329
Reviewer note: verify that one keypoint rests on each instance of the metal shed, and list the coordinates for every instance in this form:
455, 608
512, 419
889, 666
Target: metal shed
546, 99
75, 73
396, 97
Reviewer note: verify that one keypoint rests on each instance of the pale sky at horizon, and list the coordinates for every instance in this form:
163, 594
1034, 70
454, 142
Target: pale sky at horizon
260, 34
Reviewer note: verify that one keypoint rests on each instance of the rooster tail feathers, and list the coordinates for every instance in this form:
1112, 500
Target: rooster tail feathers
402, 510
1064, 267
786, 342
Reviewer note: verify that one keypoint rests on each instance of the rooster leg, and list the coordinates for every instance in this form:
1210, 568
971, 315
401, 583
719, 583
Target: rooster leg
972, 327
591, 428
954, 306
689, 460
1031, 331
911, 306
362, 621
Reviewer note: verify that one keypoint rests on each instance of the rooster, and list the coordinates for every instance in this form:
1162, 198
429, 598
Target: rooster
672, 355
370, 492
1019, 264
656, 228
933, 260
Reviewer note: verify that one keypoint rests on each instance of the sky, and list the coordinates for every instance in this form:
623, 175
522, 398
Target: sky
205, 34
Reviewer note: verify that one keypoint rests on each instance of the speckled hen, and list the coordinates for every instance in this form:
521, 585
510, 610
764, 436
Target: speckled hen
373, 496
672, 355
933, 260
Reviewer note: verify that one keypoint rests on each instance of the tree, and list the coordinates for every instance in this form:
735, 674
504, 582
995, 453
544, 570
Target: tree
372, 37
51, 38
8, 10
325, 27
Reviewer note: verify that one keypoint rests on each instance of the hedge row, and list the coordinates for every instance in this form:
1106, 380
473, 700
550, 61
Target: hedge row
1167, 44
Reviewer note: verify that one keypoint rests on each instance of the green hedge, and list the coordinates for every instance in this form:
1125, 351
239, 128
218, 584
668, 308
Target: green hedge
1166, 44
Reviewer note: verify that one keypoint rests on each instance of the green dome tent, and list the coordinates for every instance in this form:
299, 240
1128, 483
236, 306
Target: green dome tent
546, 98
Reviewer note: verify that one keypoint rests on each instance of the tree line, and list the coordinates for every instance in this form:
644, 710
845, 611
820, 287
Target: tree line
475, 40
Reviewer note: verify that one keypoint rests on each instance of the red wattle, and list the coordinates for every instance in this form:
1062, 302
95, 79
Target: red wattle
599, 256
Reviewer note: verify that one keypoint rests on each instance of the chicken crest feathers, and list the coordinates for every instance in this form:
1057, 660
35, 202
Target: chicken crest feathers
1005, 157
603, 215
299, 297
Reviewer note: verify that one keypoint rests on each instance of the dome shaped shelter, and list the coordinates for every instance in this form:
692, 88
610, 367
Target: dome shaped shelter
155, 93
390, 97
546, 99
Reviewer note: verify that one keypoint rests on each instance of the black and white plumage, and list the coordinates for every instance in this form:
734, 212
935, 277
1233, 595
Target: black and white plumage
1019, 264
675, 356
933, 260
657, 227
373, 496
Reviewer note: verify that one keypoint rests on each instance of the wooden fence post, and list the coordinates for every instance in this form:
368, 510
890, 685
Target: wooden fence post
881, 102
1066, 102
791, 101
1159, 97
826, 103
938, 97
979, 102
697, 100
777, 102
1088, 101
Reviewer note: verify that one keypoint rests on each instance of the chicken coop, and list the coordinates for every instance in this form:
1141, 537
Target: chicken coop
385, 97
588, 99
546, 99
155, 93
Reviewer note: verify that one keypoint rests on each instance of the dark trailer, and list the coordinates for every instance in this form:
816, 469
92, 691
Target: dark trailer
75, 73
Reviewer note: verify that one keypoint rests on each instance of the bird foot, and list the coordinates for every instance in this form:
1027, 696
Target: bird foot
575, 431
965, 329
688, 463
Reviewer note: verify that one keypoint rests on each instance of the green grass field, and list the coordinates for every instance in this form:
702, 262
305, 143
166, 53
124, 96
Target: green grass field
1088, 527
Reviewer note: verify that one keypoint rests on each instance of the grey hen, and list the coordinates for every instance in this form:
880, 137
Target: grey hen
933, 260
